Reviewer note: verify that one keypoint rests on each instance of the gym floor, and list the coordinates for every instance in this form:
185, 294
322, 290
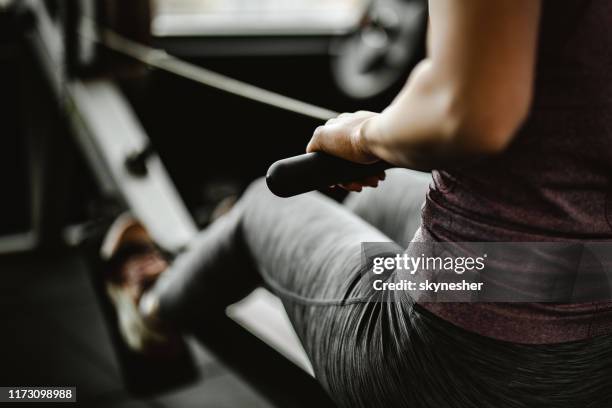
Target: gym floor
53, 333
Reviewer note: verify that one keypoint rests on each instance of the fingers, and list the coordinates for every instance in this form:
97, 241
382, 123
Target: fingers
371, 181
315, 141
338, 137
319, 140
358, 186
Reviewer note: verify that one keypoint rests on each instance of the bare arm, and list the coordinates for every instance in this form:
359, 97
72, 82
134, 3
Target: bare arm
468, 97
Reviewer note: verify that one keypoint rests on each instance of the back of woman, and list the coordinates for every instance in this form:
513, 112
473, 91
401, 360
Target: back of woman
554, 182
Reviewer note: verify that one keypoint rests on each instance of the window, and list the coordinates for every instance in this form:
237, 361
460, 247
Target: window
255, 17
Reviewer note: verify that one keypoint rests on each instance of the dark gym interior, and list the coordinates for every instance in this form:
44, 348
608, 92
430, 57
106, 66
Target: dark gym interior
212, 144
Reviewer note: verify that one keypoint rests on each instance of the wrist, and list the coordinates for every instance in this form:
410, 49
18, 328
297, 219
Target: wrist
366, 135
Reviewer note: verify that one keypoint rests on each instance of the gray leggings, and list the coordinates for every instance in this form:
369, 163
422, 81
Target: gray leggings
307, 250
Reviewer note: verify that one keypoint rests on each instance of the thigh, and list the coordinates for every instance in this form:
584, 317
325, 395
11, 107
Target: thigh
308, 250
395, 206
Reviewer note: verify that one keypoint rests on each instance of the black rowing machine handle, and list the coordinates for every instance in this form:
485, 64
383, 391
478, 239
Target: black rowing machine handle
316, 171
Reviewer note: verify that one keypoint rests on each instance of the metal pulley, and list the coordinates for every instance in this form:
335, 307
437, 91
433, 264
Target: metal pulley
386, 45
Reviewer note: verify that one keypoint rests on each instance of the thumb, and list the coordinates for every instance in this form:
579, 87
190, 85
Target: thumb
314, 145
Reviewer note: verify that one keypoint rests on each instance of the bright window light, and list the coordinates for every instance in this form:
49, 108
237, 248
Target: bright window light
255, 17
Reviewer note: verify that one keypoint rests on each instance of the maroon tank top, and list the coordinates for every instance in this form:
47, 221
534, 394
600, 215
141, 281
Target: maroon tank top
554, 182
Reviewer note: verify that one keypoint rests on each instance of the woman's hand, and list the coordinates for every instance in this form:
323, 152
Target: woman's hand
341, 137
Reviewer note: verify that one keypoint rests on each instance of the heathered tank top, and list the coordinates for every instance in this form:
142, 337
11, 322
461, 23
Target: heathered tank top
554, 183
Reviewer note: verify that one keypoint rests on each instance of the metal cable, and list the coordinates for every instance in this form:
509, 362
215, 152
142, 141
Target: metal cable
160, 59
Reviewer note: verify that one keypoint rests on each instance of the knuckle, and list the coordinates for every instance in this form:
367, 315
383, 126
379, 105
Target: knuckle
319, 131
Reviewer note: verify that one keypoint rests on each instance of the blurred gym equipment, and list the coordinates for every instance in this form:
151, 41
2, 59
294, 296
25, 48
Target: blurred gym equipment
76, 43
128, 170
381, 52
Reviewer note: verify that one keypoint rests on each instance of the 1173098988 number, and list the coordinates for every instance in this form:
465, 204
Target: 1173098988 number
65, 394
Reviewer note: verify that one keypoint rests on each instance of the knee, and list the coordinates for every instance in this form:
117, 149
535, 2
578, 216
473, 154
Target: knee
257, 189
259, 193
258, 184
257, 199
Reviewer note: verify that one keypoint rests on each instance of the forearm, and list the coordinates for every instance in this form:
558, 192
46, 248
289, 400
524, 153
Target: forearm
466, 100
433, 123
471, 94
414, 131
